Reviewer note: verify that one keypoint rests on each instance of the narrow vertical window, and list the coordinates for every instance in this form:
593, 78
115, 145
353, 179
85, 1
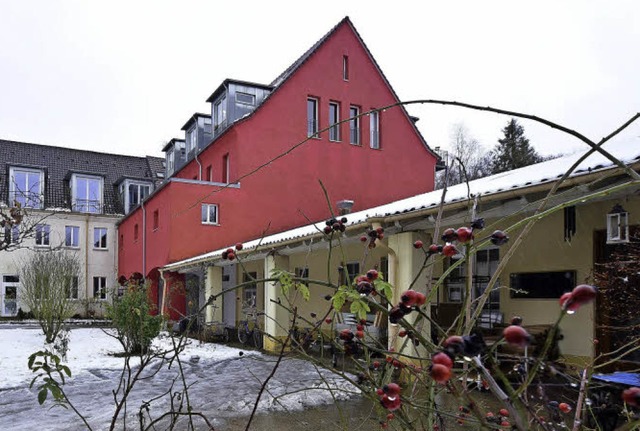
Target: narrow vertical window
42, 235
312, 117
209, 173
225, 168
354, 125
374, 119
334, 118
345, 67
100, 287
135, 232
156, 217
71, 236
220, 113
100, 238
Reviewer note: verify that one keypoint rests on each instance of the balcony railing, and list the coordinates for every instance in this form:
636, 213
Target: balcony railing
26, 199
87, 206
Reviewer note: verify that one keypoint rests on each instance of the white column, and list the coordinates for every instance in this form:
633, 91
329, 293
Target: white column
213, 286
276, 317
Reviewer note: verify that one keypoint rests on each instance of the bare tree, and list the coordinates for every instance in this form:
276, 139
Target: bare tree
468, 159
50, 279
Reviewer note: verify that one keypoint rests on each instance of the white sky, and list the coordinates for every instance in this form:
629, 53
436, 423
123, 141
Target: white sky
124, 76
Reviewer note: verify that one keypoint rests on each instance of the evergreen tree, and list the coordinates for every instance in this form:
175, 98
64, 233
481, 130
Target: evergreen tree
513, 150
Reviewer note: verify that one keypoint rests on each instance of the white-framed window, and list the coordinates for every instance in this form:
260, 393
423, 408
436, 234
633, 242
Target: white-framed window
87, 193
345, 67
312, 116
133, 193
209, 214
192, 138
220, 113
302, 272
617, 227
334, 118
72, 287
171, 157
26, 186
11, 235
100, 238
374, 129
100, 287
245, 99
354, 125
72, 236
42, 235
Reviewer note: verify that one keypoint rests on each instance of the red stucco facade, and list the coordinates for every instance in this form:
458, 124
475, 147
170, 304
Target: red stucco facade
287, 192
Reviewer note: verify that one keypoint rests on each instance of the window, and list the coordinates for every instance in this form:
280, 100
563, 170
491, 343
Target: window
100, 287
170, 161
225, 168
374, 121
42, 235
136, 193
345, 67
87, 194
354, 125
246, 99
220, 113
302, 273
71, 236
249, 292
26, 187
312, 117
192, 136
135, 232
209, 173
351, 270
156, 217
11, 235
542, 285
72, 287
209, 214
334, 118
100, 238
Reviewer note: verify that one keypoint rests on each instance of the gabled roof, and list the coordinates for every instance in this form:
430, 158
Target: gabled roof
517, 180
284, 76
60, 163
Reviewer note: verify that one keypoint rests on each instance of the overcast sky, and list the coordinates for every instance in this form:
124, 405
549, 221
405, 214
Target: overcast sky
124, 76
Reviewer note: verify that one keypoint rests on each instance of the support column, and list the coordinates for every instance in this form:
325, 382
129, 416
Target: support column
213, 286
276, 317
407, 265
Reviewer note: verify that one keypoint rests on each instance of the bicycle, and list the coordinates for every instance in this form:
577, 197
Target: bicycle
249, 329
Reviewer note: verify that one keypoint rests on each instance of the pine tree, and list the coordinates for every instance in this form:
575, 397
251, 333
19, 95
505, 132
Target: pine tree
513, 150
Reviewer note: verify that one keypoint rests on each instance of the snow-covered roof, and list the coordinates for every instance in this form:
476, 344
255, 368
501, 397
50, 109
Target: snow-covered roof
541, 173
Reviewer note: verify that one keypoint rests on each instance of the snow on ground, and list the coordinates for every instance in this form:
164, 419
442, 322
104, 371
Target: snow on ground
224, 382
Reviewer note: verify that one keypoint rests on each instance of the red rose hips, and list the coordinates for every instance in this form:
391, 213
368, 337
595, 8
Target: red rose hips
440, 373
464, 235
449, 250
564, 407
418, 244
631, 396
517, 335
239, 246
442, 359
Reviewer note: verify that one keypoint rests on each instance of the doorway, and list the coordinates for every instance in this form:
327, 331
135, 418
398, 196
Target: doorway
9, 295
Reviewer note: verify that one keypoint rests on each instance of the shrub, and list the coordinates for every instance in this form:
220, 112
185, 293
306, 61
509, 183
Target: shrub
131, 315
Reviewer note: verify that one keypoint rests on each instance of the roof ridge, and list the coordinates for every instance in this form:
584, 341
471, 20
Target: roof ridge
58, 147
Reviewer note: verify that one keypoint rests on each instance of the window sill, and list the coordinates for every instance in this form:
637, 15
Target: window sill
355, 144
210, 224
335, 140
43, 246
315, 136
100, 249
72, 247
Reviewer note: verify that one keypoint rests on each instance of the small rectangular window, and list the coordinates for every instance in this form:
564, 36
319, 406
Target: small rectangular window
156, 220
354, 125
11, 235
374, 121
246, 99
225, 168
334, 119
135, 232
312, 117
209, 214
100, 238
302, 273
72, 287
42, 235
345, 67
209, 173
100, 287
71, 236
541, 285
220, 113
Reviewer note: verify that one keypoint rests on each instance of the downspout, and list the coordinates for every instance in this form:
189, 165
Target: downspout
86, 259
144, 239
199, 165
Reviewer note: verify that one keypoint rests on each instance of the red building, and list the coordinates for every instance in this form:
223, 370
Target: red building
237, 175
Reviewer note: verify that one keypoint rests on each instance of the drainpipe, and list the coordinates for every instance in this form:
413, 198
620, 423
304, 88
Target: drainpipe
86, 257
199, 165
144, 240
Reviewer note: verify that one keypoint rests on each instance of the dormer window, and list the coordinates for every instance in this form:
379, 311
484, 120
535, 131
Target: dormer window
220, 113
192, 136
171, 157
86, 193
134, 192
26, 187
